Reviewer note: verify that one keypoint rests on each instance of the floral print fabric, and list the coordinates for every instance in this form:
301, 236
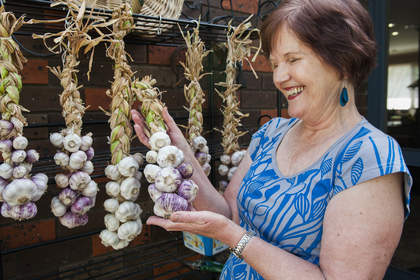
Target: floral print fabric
288, 212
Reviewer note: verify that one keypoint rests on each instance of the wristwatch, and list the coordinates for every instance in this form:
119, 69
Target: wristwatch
237, 251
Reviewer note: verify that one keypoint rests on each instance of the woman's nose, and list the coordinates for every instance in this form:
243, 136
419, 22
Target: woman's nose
280, 75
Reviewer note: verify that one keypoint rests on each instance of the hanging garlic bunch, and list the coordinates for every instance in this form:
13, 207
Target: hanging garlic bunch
18, 188
239, 46
122, 222
169, 176
194, 95
74, 151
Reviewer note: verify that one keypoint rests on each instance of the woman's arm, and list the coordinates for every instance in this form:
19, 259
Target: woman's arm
361, 229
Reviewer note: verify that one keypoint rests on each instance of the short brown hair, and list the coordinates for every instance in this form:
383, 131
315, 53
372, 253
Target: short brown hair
339, 31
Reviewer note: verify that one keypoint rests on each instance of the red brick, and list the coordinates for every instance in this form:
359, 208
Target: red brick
250, 6
35, 72
23, 234
160, 55
261, 64
270, 112
96, 97
177, 266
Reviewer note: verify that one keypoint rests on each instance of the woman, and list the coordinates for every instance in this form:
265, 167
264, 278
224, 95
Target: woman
322, 195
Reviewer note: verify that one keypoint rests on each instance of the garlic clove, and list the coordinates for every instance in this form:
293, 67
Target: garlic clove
19, 191
111, 223
111, 172
20, 143
170, 156
72, 142
128, 166
57, 208
159, 140
56, 139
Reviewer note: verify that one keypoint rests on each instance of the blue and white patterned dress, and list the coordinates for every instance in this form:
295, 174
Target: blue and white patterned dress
288, 212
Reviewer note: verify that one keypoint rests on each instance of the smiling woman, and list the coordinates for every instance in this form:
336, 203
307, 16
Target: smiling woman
322, 195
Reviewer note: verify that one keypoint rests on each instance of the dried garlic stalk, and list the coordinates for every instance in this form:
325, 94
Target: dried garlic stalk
75, 152
196, 52
18, 188
239, 47
123, 222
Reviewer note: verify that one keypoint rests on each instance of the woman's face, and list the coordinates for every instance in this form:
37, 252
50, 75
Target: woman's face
310, 85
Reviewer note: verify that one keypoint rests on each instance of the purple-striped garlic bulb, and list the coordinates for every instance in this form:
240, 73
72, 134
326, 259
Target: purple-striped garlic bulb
74, 155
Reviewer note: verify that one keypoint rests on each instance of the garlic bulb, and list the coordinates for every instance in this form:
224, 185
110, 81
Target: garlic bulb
120, 244
128, 166
61, 180
231, 172
19, 212
139, 158
199, 143
150, 171
130, 188
168, 179
111, 205
61, 159
201, 157
237, 157
82, 205
172, 202
223, 170
154, 193
72, 142
90, 153
138, 175
151, 156
6, 171
170, 156
111, 172
223, 185
91, 190
32, 156
159, 140
19, 171
72, 220
18, 156
108, 238
79, 180
67, 196
20, 143
129, 230
19, 191
56, 139
112, 189
160, 212
128, 211
188, 190
77, 160
5, 146
86, 143
111, 223
5, 128
41, 178
88, 167
57, 208
225, 159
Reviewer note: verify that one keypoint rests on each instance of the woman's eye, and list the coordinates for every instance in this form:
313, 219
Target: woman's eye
293, 60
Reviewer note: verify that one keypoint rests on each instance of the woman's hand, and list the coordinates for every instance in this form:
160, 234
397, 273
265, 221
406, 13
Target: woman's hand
177, 138
201, 222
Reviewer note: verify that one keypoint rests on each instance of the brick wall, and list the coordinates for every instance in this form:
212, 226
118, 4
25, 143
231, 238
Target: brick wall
155, 254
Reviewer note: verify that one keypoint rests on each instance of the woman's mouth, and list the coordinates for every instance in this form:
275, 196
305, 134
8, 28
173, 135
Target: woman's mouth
293, 92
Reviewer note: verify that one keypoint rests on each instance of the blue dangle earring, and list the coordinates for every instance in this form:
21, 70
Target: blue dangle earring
344, 97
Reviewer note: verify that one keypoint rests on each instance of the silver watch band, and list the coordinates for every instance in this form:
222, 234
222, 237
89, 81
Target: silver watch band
237, 251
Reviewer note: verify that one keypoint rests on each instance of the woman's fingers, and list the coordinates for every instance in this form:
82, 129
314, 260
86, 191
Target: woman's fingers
170, 121
139, 127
